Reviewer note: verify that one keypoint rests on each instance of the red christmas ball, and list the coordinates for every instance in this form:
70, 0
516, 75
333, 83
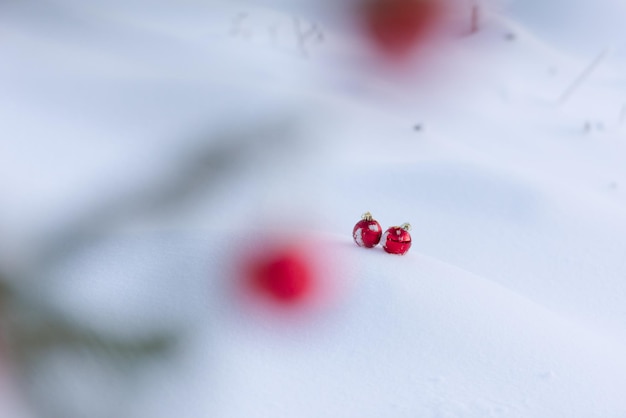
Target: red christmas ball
397, 239
367, 232
284, 275
398, 26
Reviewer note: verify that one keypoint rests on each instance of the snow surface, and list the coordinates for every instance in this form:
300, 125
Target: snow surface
510, 303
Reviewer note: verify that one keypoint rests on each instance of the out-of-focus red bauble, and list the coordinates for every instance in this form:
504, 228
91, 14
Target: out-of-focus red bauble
397, 240
285, 275
398, 26
367, 232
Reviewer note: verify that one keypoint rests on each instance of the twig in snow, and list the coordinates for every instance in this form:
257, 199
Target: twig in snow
303, 36
583, 76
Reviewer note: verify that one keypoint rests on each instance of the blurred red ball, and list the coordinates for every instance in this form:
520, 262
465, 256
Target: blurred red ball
398, 26
284, 275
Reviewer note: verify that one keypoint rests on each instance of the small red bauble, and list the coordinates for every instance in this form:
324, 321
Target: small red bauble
367, 232
397, 239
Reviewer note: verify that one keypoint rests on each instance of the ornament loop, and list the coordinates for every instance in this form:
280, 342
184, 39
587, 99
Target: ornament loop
406, 226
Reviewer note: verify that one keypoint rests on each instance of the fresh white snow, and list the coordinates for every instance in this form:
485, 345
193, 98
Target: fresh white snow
510, 303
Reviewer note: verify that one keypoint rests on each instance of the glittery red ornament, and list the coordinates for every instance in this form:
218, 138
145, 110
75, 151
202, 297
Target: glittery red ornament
397, 26
397, 239
367, 232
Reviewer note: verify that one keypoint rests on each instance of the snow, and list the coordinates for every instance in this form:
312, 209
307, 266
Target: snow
358, 237
141, 149
383, 239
